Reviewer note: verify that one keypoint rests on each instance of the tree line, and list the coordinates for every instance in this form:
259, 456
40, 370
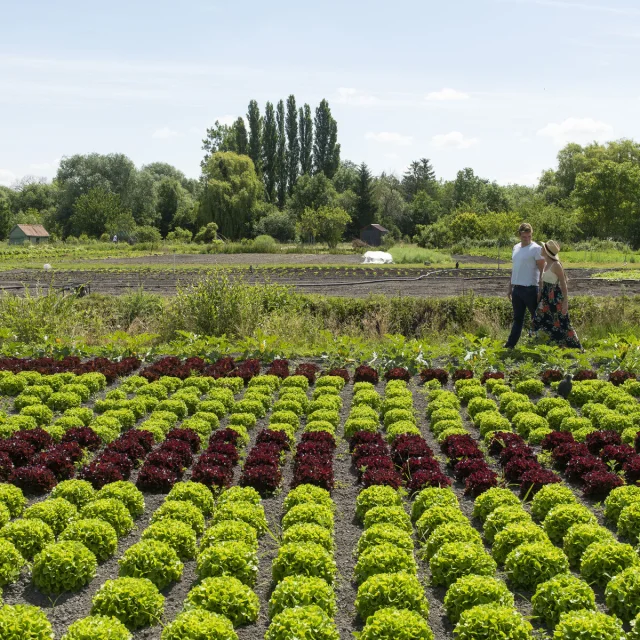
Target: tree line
279, 172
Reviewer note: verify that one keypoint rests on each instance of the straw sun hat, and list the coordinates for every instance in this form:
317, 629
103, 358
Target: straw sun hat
552, 248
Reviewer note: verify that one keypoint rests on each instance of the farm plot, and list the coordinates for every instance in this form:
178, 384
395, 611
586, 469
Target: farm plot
186, 499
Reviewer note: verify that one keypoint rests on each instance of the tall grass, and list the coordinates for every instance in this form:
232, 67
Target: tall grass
412, 254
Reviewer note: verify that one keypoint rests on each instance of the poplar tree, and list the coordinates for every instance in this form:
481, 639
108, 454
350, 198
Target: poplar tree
306, 140
365, 206
269, 152
293, 144
241, 140
281, 155
255, 135
326, 150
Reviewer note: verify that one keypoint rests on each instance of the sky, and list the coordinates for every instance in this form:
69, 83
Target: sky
496, 85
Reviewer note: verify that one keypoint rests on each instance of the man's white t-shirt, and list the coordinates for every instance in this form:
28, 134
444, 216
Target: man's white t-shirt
524, 270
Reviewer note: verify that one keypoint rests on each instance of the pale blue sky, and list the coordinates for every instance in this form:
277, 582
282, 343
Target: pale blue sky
498, 85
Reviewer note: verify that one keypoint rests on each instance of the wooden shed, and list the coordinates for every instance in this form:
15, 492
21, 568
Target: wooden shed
373, 234
28, 233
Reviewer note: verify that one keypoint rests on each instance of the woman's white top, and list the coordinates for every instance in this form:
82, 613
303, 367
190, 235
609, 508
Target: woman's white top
549, 276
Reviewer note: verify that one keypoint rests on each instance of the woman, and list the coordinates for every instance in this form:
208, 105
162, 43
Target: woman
552, 314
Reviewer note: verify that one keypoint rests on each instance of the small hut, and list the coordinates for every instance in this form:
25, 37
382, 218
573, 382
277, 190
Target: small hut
373, 234
28, 233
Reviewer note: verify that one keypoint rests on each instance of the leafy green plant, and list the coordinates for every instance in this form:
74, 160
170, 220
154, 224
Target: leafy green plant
197, 624
136, 602
548, 497
178, 510
29, 536
384, 533
151, 559
594, 625
450, 532
534, 562
396, 624
308, 493
226, 596
112, 511
299, 591
97, 535
61, 401
395, 516
383, 558
487, 621
63, 566
178, 535
513, 536
435, 516
491, 499
56, 512
309, 513
454, 560
11, 562
622, 594
561, 594
501, 517
563, 516
603, 560
230, 530
309, 532
77, 492
22, 622
231, 558
40, 412
472, 590
13, 498
127, 493
618, 499
376, 496
580, 536
248, 512
530, 387
490, 421
97, 628
302, 622
307, 559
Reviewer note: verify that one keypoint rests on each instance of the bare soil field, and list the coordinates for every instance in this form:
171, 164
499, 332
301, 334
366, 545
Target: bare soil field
354, 281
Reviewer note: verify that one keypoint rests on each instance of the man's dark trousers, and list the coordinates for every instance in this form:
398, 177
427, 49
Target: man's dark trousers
522, 298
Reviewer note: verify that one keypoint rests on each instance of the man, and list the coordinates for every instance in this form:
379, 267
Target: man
526, 273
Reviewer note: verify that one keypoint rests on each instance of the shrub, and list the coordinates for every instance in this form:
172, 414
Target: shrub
230, 530
513, 536
390, 624
376, 496
603, 560
594, 625
56, 512
63, 566
561, 594
230, 558
151, 559
488, 621
136, 602
252, 514
22, 622
473, 590
304, 559
383, 558
197, 624
11, 562
226, 596
126, 493
549, 497
184, 511
561, 517
97, 628
13, 499
384, 590
490, 500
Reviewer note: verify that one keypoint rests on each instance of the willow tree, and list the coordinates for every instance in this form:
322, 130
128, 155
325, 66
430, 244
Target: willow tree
231, 194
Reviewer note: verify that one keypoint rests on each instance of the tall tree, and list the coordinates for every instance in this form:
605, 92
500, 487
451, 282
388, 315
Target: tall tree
281, 155
270, 152
231, 194
306, 140
293, 144
168, 199
240, 138
326, 150
420, 176
365, 205
255, 135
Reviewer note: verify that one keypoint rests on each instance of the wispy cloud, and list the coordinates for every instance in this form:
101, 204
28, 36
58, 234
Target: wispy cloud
580, 6
354, 97
164, 133
453, 140
579, 130
447, 95
389, 137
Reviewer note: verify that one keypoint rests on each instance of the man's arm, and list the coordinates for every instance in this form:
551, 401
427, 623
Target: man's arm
540, 265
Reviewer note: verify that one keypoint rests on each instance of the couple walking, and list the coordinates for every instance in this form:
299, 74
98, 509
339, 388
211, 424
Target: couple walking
539, 283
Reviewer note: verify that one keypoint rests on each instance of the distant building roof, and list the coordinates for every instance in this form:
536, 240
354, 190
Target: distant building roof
33, 230
379, 227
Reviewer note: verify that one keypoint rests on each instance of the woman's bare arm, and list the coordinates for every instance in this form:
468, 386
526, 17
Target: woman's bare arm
562, 281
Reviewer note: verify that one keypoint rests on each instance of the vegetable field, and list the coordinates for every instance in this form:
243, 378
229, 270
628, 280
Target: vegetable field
188, 500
